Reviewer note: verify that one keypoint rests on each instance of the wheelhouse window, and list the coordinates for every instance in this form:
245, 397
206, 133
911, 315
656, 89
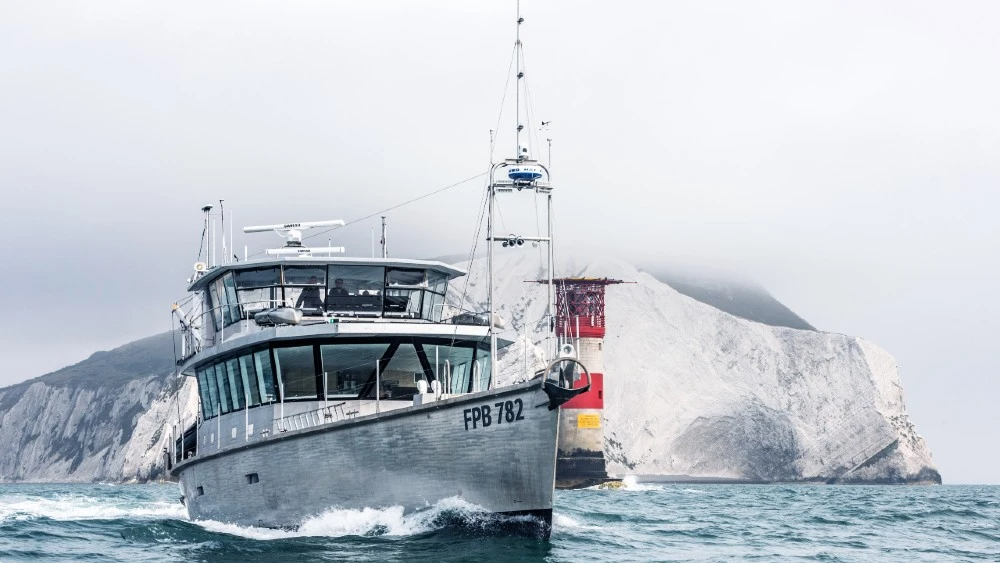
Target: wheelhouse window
258, 289
405, 276
296, 372
317, 290
223, 299
304, 288
404, 292
232, 303
216, 300
355, 290
433, 305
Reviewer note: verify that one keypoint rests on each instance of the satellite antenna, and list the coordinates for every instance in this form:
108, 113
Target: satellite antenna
292, 233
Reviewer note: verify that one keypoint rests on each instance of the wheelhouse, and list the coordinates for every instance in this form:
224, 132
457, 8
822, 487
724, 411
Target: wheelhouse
226, 298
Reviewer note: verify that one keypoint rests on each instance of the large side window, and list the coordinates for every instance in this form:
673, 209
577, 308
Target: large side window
296, 372
213, 391
481, 371
223, 381
453, 365
346, 367
265, 376
249, 376
238, 397
399, 377
206, 400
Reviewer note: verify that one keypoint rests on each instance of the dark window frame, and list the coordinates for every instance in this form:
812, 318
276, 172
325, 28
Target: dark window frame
479, 348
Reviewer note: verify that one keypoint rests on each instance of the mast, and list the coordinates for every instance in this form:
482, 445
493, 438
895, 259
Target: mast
489, 269
517, 89
524, 173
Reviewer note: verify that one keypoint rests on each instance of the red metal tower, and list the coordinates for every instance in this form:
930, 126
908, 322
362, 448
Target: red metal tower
580, 322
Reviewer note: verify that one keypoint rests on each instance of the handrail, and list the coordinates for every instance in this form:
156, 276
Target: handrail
323, 415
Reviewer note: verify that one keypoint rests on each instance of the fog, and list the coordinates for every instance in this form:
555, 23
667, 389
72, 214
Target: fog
841, 154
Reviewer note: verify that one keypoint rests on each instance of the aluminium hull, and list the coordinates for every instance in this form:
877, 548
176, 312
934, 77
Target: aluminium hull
411, 457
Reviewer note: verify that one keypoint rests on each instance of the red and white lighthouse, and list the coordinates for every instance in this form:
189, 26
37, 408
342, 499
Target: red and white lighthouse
580, 322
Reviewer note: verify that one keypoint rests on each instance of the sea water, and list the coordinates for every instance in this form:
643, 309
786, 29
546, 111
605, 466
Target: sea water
637, 523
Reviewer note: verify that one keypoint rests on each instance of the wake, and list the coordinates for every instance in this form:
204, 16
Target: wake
389, 521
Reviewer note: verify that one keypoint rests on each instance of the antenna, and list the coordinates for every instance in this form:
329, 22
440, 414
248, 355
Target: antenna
521, 152
385, 244
545, 127
204, 233
222, 212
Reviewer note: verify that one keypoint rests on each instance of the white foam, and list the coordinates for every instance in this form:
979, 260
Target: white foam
564, 522
630, 483
74, 507
338, 522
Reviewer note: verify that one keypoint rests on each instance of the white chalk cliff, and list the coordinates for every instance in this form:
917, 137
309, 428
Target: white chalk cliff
693, 391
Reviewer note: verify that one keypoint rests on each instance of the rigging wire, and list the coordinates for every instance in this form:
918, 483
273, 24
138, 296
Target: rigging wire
530, 111
173, 338
386, 210
503, 99
475, 245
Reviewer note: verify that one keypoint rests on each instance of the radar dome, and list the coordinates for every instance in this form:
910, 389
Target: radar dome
522, 172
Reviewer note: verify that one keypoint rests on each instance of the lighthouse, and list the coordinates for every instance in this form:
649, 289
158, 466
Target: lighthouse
580, 322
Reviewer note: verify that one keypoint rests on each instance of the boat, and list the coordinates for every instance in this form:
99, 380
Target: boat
334, 382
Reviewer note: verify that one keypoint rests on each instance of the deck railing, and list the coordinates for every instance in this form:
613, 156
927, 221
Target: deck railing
318, 417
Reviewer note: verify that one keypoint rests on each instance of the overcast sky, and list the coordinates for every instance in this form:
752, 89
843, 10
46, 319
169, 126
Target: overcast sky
842, 154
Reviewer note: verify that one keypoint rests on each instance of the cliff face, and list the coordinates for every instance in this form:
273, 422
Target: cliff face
99, 420
690, 390
693, 391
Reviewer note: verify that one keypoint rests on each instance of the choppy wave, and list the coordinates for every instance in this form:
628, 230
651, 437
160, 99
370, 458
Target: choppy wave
391, 521
645, 521
80, 507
